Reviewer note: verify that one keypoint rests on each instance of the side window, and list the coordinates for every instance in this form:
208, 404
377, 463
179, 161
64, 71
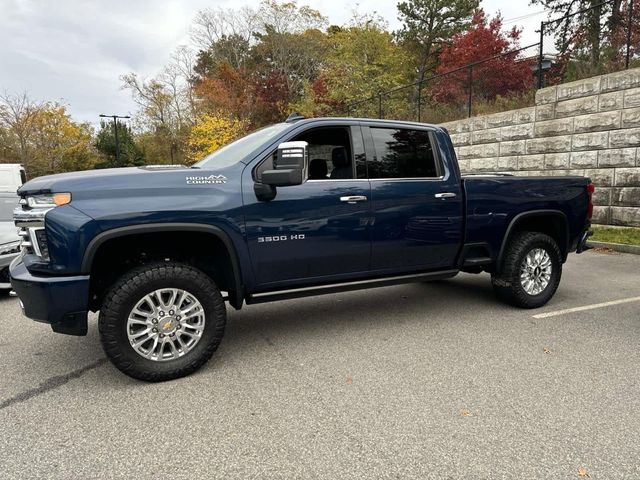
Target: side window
402, 153
330, 154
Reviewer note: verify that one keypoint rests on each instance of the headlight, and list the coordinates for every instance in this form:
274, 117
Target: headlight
49, 200
11, 247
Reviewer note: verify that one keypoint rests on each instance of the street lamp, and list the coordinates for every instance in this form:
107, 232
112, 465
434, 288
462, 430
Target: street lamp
115, 130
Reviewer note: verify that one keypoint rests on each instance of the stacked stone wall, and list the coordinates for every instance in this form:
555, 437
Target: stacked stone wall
589, 127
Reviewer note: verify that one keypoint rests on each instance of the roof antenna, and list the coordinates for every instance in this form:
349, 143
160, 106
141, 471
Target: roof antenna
294, 117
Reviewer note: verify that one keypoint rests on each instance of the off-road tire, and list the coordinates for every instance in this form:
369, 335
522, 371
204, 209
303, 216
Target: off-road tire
140, 281
507, 285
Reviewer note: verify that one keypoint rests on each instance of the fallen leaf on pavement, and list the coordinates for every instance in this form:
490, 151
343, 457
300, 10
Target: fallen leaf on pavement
608, 250
582, 472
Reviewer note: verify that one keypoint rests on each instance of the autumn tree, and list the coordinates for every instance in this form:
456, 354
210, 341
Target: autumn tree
58, 144
254, 63
43, 137
581, 27
209, 133
616, 36
504, 75
17, 117
428, 26
364, 59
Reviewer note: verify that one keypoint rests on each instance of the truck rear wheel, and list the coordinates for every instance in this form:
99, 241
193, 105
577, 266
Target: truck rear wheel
162, 321
530, 272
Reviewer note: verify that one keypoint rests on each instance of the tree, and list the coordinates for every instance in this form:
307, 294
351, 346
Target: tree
210, 133
428, 25
363, 61
164, 110
129, 152
617, 35
17, 115
504, 75
58, 144
43, 137
224, 35
578, 33
227, 89
254, 63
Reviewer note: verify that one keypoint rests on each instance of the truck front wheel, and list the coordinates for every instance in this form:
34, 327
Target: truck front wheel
162, 321
530, 272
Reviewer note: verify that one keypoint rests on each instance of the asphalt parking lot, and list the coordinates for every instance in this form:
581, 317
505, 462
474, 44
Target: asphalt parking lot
418, 381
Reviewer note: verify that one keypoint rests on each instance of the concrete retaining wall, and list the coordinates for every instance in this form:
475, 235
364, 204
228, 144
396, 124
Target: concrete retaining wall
590, 127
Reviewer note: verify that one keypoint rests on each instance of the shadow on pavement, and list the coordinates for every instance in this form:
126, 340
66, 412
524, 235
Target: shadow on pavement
309, 317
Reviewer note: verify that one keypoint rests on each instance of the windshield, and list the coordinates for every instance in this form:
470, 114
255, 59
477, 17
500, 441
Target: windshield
7, 204
235, 151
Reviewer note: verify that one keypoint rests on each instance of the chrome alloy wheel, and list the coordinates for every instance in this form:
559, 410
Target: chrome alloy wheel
165, 324
535, 271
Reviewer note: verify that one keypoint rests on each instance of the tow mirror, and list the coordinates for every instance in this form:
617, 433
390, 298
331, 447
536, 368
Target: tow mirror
290, 166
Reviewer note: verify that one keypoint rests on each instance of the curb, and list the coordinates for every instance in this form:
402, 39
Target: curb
618, 247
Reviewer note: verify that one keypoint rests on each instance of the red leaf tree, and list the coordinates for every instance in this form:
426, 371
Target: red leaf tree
510, 73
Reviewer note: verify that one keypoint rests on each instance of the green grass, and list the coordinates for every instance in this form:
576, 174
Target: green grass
628, 236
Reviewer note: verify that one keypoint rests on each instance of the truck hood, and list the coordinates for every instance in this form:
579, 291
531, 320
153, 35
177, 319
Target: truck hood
110, 178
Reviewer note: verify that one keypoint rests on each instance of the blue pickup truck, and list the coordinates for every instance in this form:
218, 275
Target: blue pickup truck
300, 208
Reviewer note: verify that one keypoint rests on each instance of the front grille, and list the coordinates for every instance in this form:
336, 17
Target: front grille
30, 223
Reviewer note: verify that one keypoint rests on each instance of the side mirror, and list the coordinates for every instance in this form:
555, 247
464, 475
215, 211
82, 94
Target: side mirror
290, 166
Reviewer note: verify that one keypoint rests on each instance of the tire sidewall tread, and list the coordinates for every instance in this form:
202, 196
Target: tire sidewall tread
129, 289
507, 284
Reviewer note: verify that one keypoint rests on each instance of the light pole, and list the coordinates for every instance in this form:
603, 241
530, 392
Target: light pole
115, 130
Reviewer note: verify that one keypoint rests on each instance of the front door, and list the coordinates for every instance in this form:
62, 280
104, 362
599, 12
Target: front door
318, 231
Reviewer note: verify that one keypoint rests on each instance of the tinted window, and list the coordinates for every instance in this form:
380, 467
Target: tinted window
402, 153
329, 150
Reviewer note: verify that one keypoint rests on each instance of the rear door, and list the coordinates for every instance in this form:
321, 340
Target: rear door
416, 201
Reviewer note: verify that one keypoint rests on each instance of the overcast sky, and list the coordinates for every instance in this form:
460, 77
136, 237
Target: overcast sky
74, 51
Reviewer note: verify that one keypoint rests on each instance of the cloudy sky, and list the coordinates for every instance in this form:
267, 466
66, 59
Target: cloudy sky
74, 51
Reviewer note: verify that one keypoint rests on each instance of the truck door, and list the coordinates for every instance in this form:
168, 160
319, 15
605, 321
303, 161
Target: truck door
416, 202
320, 230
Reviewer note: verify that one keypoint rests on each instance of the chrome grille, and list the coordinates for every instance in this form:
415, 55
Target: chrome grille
30, 223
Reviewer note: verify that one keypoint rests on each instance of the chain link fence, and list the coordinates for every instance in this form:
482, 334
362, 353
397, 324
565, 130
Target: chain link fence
482, 87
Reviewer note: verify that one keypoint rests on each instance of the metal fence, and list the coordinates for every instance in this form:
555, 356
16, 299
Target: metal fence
464, 91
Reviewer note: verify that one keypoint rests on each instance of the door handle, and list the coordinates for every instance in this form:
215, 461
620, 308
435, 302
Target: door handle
354, 199
445, 195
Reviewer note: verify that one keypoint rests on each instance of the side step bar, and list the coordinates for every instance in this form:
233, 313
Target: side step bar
477, 262
347, 286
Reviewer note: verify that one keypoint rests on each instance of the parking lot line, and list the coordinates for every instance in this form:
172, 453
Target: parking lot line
587, 307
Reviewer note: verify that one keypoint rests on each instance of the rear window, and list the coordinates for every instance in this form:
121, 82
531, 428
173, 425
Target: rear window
402, 153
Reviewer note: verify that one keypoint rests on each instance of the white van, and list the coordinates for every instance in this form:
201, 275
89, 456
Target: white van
12, 176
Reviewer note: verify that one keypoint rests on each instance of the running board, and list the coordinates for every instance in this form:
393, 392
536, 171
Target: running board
477, 262
347, 286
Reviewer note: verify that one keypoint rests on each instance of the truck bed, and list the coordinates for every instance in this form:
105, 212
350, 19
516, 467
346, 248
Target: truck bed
493, 201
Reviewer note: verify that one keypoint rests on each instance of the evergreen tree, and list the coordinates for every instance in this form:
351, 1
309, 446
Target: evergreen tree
130, 153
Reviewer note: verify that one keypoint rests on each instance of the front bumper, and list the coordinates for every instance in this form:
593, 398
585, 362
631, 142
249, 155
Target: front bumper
60, 301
